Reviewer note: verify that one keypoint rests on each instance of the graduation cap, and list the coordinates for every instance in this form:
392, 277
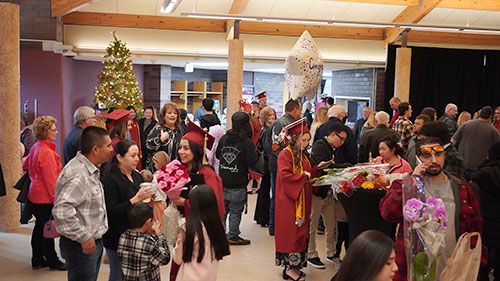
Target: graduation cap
118, 116
196, 134
297, 128
323, 99
261, 95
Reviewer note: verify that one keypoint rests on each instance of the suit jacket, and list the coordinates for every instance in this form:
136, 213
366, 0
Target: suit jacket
370, 140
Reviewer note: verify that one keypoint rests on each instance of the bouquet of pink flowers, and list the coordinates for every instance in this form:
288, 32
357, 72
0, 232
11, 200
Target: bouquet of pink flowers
425, 223
172, 178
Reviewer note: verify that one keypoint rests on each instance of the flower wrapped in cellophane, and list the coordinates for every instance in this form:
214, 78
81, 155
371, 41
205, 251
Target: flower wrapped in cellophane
425, 223
172, 179
366, 176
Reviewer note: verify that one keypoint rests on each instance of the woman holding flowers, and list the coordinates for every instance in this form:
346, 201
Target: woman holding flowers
191, 154
390, 153
293, 202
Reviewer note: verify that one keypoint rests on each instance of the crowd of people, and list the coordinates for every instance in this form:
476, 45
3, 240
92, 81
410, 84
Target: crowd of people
95, 193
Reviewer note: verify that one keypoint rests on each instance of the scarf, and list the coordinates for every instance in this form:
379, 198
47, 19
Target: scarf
300, 203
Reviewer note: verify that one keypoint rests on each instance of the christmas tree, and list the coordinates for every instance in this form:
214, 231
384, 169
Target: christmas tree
117, 87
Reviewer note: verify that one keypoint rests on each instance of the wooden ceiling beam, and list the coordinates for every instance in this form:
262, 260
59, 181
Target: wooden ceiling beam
453, 38
60, 8
411, 14
237, 7
489, 5
253, 27
143, 21
263, 28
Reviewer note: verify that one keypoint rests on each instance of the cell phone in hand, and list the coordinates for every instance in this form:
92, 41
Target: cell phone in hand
418, 160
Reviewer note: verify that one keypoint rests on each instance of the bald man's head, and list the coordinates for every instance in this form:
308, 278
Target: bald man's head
451, 109
394, 102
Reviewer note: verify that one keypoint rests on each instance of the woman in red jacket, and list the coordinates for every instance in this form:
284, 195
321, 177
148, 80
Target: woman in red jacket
44, 166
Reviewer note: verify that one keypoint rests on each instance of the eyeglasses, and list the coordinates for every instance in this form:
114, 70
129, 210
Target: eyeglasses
438, 149
341, 138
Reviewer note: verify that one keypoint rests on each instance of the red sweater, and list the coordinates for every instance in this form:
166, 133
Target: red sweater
44, 166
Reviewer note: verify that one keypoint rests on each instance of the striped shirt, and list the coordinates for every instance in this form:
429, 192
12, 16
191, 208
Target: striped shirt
79, 209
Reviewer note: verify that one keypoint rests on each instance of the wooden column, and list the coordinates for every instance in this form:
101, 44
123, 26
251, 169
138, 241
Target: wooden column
9, 114
234, 78
403, 71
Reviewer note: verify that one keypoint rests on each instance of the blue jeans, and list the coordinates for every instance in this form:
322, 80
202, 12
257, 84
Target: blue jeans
234, 201
273, 200
81, 267
115, 265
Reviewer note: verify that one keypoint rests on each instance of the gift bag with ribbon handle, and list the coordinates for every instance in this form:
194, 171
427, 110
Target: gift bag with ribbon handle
463, 265
170, 223
49, 229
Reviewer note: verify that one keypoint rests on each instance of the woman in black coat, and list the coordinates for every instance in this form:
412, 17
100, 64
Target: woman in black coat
121, 189
145, 125
261, 216
488, 179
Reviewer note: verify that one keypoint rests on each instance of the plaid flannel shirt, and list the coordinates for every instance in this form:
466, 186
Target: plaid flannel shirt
391, 209
79, 209
141, 256
404, 128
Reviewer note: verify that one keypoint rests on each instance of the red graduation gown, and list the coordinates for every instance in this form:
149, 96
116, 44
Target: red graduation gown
215, 182
290, 238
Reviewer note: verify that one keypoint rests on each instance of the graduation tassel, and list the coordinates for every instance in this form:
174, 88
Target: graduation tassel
204, 161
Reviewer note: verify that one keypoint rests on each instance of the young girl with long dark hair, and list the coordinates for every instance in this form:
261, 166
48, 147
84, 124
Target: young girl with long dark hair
200, 247
369, 258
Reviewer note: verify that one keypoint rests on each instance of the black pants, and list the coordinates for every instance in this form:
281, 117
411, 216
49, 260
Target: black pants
343, 236
493, 262
261, 215
43, 251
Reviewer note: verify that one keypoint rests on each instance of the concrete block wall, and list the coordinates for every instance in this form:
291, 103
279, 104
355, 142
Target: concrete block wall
273, 85
36, 20
353, 82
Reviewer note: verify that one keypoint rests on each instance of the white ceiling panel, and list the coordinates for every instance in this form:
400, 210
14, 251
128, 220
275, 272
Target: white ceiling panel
361, 12
102, 6
147, 7
437, 16
291, 8
490, 19
259, 7
389, 13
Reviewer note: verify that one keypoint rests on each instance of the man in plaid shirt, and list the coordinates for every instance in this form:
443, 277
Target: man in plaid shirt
142, 248
79, 209
403, 126
456, 193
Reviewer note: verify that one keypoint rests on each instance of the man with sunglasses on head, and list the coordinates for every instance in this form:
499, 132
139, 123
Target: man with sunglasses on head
460, 203
323, 202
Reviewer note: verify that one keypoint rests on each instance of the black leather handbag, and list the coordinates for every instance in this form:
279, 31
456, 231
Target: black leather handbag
259, 167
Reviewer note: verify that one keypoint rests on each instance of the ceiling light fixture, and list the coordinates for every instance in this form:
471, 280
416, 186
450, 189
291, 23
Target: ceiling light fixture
438, 28
168, 6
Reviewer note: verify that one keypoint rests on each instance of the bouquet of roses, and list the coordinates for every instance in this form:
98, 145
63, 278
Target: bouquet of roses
172, 178
425, 224
346, 180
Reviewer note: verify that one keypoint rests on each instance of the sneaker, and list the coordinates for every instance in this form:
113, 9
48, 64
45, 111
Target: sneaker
335, 260
316, 263
237, 240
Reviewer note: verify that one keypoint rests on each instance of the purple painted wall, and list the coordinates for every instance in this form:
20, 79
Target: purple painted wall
60, 85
